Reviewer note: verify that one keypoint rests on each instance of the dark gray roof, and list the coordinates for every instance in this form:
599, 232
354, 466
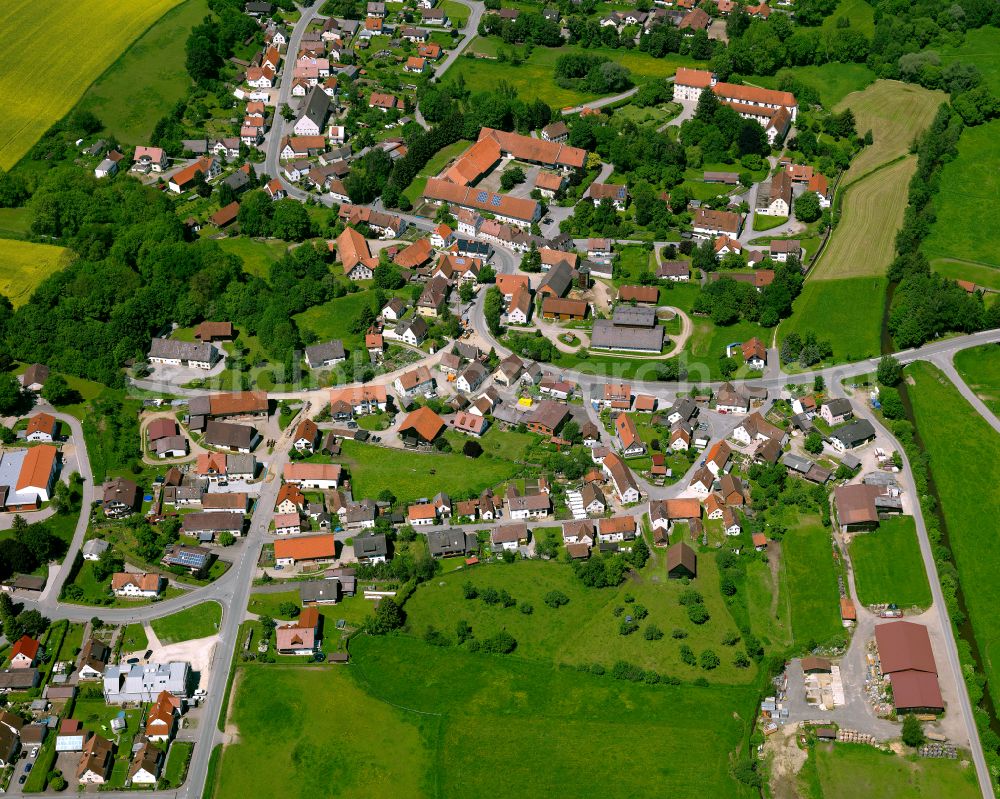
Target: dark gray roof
227, 434
371, 546
558, 278
170, 349
606, 335
317, 107
627, 316
319, 591
452, 541
212, 521
238, 180
839, 406
855, 433
328, 351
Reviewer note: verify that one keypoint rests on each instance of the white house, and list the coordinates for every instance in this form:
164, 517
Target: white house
139, 585
535, 506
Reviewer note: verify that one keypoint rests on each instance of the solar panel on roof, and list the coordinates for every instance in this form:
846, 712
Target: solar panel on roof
495, 201
481, 197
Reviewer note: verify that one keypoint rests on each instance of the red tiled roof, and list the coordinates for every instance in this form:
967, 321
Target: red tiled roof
307, 548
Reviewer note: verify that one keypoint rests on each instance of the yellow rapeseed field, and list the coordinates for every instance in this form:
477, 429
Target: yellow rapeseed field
55, 50
24, 265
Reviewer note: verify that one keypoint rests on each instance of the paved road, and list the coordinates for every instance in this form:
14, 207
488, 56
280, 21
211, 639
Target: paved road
476, 10
908, 484
945, 362
594, 104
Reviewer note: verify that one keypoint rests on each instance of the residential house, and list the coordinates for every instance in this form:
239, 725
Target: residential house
149, 159
185, 179
24, 653
147, 762
682, 562
616, 194
451, 542
533, 506
120, 498
754, 353
628, 437
852, 435
509, 537
621, 478
616, 530
96, 761
728, 399
371, 549
414, 382
548, 417
837, 410
307, 549
319, 476
421, 427
329, 353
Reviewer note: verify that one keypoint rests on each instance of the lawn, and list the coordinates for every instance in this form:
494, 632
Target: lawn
860, 13
15, 222
148, 79
438, 162
980, 369
708, 343
585, 630
26, 264
857, 770
333, 319
632, 262
888, 566
473, 726
199, 621
765, 222
178, 758
134, 638
46, 89
847, 313
413, 475
533, 78
980, 47
952, 434
257, 254
457, 14
864, 241
811, 581
968, 202
895, 112
983, 276
354, 610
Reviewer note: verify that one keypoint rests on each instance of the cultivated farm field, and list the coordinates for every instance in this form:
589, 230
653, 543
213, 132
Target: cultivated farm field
888, 567
962, 447
23, 265
45, 89
980, 369
142, 85
864, 240
895, 112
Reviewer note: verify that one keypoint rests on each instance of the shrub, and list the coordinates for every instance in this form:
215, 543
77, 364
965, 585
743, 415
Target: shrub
689, 596
556, 599
697, 614
741, 661
627, 627
652, 633
490, 596
639, 612
526, 608
731, 638
623, 670
436, 637
469, 591
913, 733
687, 655
503, 643
463, 632
618, 610
709, 660
678, 633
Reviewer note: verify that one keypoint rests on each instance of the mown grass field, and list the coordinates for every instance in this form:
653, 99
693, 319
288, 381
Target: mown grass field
438, 162
968, 202
811, 581
407, 719
199, 621
708, 344
257, 254
864, 240
533, 78
84, 39
585, 630
895, 112
25, 265
414, 475
835, 770
983, 276
980, 369
847, 313
888, 566
962, 449
142, 85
